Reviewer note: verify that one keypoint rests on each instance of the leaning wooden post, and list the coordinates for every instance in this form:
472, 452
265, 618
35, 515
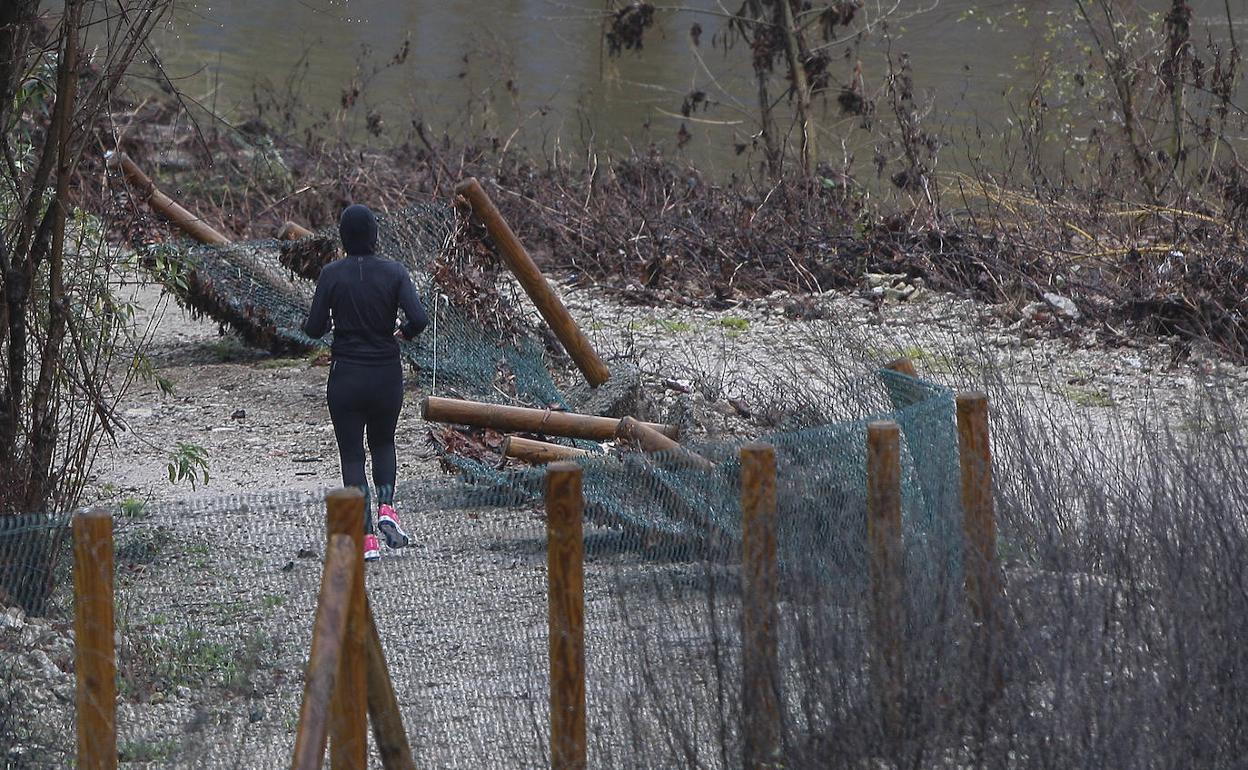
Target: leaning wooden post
760, 707
651, 440
565, 572
329, 630
348, 725
535, 285
979, 527
292, 231
95, 663
190, 224
885, 568
383, 706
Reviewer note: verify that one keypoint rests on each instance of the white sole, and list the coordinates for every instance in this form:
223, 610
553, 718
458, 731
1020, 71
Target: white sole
395, 537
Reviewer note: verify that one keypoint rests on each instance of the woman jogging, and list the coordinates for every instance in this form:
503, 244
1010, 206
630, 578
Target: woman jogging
360, 296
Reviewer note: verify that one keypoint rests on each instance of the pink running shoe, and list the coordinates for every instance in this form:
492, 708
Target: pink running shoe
372, 551
388, 523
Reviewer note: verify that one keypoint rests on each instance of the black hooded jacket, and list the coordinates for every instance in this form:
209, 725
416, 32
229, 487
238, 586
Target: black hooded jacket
360, 297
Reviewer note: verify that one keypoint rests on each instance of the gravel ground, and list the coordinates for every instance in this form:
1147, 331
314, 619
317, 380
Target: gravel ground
218, 584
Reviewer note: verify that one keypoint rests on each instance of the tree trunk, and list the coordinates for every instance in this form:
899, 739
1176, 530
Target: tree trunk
801, 87
768, 130
43, 416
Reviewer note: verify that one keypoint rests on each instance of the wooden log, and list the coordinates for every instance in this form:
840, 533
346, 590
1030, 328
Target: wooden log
329, 630
348, 726
651, 440
565, 555
383, 706
760, 705
189, 223
524, 420
885, 568
539, 452
292, 231
535, 285
95, 664
983, 582
903, 365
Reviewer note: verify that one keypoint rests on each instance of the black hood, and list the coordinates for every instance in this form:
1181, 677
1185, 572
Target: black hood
358, 229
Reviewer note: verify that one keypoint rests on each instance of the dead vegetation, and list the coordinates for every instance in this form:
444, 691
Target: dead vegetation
1139, 226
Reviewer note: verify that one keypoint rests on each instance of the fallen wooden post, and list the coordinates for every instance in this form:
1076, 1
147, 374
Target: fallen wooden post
349, 712
565, 570
383, 706
292, 231
521, 419
535, 284
166, 206
885, 568
760, 702
651, 440
539, 452
95, 664
329, 630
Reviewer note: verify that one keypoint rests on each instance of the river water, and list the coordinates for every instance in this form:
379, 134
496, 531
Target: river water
538, 68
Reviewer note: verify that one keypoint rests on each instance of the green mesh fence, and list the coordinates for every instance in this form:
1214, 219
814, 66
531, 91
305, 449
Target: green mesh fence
215, 599
477, 344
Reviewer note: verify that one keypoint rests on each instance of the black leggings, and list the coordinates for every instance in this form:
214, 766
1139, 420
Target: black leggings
368, 397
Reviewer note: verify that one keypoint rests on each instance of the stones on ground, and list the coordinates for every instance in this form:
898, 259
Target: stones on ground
12, 618
620, 396
681, 414
677, 386
1063, 306
40, 665
895, 287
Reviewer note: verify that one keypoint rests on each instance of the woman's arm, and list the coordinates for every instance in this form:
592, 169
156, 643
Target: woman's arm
318, 317
417, 318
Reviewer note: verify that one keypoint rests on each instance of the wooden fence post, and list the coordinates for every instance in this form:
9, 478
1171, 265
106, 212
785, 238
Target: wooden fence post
292, 231
539, 452
526, 420
95, 663
885, 568
760, 706
329, 629
535, 285
565, 552
902, 365
190, 224
983, 583
348, 726
383, 706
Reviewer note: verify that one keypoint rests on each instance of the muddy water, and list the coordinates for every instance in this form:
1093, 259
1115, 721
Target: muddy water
540, 66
